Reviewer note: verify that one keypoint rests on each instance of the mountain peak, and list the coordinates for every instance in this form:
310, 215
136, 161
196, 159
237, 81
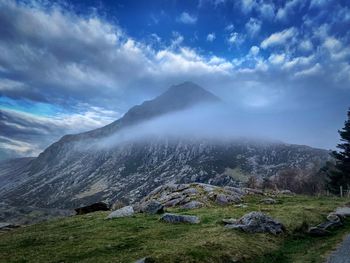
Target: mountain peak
191, 90
177, 97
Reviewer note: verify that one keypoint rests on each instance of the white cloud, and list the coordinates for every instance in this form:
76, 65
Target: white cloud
229, 27
306, 45
235, 39
267, 10
254, 50
253, 26
279, 38
314, 70
187, 18
277, 59
211, 37
289, 8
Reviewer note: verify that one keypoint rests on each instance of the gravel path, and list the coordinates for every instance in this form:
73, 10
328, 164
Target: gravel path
342, 254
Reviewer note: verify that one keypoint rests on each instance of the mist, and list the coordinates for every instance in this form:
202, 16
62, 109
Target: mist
219, 122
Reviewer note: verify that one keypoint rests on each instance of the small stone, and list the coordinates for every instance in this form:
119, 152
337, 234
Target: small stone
192, 205
122, 212
175, 218
145, 260
268, 201
229, 220
333, 217
223, 199
241, 205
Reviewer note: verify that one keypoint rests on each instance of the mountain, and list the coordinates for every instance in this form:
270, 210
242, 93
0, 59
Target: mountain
75, 171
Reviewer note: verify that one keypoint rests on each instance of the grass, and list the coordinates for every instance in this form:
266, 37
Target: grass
91, 238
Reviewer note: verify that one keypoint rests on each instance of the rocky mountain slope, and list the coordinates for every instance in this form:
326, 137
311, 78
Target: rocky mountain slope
75, 170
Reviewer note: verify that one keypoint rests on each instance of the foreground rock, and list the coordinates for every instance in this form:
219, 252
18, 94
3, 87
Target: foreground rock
194, 195
122, 212
151, 207
257, 222
100, 206
174, 218
323, 229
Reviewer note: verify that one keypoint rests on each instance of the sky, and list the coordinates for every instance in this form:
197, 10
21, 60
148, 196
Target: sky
72, 66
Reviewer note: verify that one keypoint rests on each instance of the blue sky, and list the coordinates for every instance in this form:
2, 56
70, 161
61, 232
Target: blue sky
71, 66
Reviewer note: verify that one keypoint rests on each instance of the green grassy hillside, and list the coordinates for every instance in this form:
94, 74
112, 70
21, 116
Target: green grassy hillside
91, 238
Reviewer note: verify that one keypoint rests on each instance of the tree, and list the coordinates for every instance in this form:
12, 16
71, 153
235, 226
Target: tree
340, 174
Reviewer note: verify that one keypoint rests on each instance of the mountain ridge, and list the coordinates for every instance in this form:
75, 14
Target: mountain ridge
64, 176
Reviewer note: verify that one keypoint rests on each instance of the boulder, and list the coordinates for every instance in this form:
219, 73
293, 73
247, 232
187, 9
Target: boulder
100, 206
175, 218
151, 207
268, 201
241, 205
174, 202
192, 205
122, 212
258, 222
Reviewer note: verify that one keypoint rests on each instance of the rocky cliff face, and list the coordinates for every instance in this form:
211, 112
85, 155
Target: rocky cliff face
67, 175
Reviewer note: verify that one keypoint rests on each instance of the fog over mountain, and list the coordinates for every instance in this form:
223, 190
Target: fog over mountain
186, 134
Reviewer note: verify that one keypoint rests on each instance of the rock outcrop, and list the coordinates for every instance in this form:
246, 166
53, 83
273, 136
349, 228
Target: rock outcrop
194, 195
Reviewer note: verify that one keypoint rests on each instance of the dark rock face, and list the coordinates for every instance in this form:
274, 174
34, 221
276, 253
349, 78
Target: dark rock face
174, 218
101, 206
257, 222
151, 207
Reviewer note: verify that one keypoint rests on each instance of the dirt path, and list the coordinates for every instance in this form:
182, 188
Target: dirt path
342, 254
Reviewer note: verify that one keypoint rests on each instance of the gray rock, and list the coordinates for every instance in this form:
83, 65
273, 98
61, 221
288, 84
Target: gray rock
151, 207
268, 201
145, 260
229, 220
343, 211
175, 218
286, 192
174, 202
333, 217
122, 212
257, 222
223, 199
192, 205
190, 191
318, 232
329, 225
